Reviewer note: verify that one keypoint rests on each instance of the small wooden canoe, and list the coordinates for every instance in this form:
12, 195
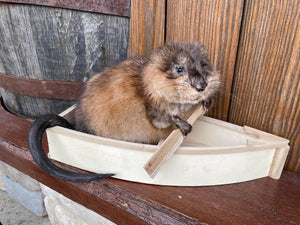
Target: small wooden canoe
214, 153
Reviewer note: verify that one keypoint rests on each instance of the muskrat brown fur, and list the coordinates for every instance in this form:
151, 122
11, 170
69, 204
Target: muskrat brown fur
139, 100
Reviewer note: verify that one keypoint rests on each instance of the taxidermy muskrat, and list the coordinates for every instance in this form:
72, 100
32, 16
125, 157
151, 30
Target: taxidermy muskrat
139, 100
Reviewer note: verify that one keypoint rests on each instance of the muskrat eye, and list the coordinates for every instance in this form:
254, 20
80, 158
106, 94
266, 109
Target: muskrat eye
179, 69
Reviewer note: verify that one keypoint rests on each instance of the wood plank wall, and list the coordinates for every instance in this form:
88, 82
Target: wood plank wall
110, 7
267, 75
47, 43
255, 45
147, 26
217, 25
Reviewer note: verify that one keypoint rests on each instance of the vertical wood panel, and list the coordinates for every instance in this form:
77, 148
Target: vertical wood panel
267, 74
147, 26
217, 25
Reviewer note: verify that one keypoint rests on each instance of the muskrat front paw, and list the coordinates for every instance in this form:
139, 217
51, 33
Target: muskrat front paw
207, 103
185, 129
184, 126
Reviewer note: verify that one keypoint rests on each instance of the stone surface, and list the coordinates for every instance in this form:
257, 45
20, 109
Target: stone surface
32, 200
13, 213
19, 177
63, 211
1, 181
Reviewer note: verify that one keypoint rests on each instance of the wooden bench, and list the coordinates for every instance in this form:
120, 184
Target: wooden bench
263, 201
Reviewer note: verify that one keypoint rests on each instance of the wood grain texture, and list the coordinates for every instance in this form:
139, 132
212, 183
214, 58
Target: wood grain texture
263, 201
112, 7
45, 43
41, 89
103, 197
147, 26
132, 203
169, 146
216, 24
267, 75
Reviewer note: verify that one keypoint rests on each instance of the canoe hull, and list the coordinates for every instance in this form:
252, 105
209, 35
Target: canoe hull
233, 157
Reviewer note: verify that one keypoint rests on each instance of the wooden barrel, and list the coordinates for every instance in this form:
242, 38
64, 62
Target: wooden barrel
46, 53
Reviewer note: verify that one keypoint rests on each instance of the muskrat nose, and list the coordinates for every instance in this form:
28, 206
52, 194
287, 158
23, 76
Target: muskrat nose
200, 89
200, 85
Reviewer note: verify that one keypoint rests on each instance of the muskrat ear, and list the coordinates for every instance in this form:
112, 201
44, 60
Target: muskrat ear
200, 56
198, 51
206, 65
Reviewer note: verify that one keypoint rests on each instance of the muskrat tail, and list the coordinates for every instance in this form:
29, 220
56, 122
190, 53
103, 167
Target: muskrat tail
35, 146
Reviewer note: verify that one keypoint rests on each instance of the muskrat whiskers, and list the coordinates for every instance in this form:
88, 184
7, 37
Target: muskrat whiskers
228, 93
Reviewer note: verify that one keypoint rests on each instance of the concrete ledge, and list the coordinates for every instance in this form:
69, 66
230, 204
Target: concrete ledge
63, 211
32, 200
19, 177
1, 181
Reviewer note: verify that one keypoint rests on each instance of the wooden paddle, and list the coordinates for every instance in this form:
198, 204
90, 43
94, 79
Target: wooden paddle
169, 146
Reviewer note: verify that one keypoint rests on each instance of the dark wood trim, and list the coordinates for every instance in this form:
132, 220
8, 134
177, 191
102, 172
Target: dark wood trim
262, 201
41, 89
104, 197
113, 7
21, 159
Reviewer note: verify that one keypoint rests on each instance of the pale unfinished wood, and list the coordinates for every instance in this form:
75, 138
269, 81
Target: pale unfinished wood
214, 153
169, 146
279, 159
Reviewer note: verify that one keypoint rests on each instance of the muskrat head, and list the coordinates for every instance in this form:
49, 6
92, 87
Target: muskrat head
181, 73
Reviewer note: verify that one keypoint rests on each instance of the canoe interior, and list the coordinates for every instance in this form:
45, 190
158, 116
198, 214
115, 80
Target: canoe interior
206, 133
